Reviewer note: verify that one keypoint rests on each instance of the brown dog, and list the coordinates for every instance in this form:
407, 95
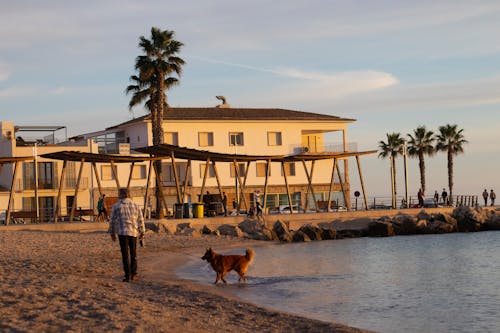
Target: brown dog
223, 264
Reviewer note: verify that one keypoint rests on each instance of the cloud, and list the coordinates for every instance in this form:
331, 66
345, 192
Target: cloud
18, 91
58, 91
432, 96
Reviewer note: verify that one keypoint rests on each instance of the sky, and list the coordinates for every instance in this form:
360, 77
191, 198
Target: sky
391, 65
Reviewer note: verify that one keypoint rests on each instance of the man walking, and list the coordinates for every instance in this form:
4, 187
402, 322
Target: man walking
493, 196
128, 223
485, 197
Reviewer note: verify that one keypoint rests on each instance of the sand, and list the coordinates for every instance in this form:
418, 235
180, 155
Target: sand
72, 282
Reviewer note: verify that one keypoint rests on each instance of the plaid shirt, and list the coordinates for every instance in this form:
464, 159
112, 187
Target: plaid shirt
126, 219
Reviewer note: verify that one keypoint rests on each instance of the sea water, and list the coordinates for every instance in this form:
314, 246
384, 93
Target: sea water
426, 283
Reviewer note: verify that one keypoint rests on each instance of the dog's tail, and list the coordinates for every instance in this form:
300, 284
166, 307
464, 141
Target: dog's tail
249, 255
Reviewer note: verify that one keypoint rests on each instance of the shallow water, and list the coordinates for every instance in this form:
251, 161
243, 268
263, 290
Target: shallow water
431, 283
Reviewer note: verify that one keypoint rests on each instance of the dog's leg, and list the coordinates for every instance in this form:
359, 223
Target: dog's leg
217, 278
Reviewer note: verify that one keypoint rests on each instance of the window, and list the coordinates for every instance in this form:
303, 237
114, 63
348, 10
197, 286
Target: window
205, 139
139, 172
210, 173
171, 138
107, 172
274, 138
241, 170
167, 172
236, 138
261, 169
289, 169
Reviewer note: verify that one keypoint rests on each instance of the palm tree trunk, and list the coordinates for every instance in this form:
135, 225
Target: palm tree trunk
393, 184
450, 175
395, 192
421, 165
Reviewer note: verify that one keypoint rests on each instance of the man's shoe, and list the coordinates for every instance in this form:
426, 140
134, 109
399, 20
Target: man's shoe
135, 277
125, 280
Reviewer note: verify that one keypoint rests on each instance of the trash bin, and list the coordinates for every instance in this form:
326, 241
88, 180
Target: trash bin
187, 210
178, 209
198, 210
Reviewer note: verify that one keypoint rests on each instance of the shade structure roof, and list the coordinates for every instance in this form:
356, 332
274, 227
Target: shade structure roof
96, 158
166, 150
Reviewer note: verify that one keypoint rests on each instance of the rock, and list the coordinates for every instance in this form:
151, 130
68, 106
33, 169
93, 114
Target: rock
256, 229
328, 233
405, 225
350, 233
299, 236
469, 219
313, 232
189, 232
206, 230
230, 230
380, 229
440, 227
181, 226
492, 223
281, 229
423, 215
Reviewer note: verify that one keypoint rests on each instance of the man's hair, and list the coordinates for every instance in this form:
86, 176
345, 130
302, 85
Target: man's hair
123, 193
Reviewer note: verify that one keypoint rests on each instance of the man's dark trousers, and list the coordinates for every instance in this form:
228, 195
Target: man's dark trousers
128, 247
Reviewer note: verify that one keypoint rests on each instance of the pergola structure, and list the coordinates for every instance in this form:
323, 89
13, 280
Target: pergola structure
165, 151
15, 161
189, 154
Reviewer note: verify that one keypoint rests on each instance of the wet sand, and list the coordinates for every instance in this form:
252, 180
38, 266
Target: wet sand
72, 282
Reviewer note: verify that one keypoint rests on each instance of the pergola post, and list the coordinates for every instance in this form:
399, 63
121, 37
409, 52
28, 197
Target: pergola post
287, 187
332, 182
176, 177
160, 185
309, 181
243, 187
11, 201
147, 188
59, 192
115, 173
362, 182
268, 171
75, 197
205, 173
342, 188
184, 190
130, 175
98, 178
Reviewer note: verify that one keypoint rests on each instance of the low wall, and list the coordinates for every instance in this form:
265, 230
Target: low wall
295, 220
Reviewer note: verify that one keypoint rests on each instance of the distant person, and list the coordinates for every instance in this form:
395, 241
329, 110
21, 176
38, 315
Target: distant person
128, 223
485, 197
444, 196
493, 196
420, 196
101, 208
224, 202
436, 198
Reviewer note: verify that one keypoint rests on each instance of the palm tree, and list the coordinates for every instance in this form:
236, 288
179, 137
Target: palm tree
450, 140
421, 143
155, 68
392, 148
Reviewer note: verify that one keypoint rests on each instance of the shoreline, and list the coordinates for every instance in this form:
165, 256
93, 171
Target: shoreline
71, 281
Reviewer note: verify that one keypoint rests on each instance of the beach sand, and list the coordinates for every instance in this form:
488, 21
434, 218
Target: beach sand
72, 282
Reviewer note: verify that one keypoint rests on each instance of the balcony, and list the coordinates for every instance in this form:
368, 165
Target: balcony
335, 147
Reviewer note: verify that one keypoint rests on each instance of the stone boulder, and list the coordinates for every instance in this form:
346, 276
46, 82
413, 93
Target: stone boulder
350, 233
492, 223
328, 233
299, 236
282, 231
469, 219
380, 229
189, 232
257, 229
405, 225
206, 230
230, 230
313, 232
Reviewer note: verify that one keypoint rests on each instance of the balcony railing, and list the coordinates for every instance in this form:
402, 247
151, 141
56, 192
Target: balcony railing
69, 184
328, 147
